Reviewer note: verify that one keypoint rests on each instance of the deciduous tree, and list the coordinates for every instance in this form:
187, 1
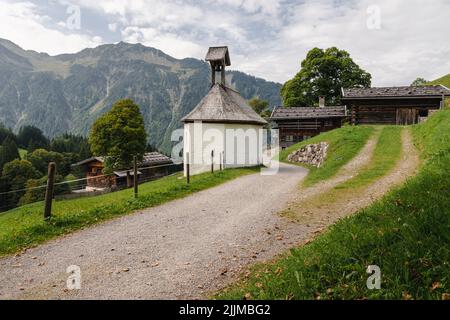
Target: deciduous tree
119, 135
14, 178
419, 82
261, 107
323, 73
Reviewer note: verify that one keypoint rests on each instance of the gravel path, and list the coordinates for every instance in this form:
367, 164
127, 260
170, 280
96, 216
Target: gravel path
349, 202
347, 172
182, 249
189, 247
406, 167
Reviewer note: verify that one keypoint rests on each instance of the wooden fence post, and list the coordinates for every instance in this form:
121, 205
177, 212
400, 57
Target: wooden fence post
136, 177
188, 173
212, 161
353, 115
223, 160
49, 191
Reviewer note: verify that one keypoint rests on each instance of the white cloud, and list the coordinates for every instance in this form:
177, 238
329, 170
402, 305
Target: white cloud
171, 44
112, 27
409, 44
267, 38
21, 23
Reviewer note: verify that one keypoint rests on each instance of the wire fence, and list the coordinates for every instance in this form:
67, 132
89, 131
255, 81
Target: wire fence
95, 183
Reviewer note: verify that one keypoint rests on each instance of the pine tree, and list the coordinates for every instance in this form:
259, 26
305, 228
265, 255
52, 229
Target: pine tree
31, 146
8, 152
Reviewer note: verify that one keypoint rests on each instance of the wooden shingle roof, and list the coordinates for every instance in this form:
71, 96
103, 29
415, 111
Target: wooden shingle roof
218, 54
224, 105
281, 113
155, 158
395, 92
149, 159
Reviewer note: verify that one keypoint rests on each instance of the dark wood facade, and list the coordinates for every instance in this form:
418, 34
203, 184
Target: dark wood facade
153, 166
298, 124
393, 105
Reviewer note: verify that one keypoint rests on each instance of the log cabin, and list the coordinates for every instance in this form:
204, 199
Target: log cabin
296, 124
393, 105
154, 165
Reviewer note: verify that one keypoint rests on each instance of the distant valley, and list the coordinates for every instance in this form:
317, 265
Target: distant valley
66, 93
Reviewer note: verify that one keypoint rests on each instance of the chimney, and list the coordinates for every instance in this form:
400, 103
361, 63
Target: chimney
321, 102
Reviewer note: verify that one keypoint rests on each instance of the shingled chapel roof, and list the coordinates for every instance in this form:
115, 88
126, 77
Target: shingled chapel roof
224, 105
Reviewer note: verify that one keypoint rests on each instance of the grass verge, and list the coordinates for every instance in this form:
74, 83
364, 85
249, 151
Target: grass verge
386, 154
406, 234
388, 151
24, 226
344, 145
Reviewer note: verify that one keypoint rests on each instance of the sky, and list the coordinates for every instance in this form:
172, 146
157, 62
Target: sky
394, 40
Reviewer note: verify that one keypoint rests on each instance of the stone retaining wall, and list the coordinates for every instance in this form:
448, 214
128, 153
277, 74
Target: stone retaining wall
313, 154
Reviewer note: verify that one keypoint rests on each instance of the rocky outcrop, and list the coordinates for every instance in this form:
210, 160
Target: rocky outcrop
312, 154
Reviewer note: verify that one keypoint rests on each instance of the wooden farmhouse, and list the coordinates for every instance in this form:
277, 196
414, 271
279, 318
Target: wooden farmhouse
296, 124
154, 165
222, 130
393, 105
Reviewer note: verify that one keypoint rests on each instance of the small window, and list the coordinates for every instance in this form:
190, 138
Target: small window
96, 171
289, 138
423, 113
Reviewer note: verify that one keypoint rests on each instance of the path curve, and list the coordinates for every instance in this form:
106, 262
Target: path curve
189, 247
347, 172
351, 202
181, 249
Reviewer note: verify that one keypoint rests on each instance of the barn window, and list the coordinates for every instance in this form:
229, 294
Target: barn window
423, 113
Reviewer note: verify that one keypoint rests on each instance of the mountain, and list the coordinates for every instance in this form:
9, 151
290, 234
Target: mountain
66, 93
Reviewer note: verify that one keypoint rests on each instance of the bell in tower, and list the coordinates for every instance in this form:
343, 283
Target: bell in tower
219, 58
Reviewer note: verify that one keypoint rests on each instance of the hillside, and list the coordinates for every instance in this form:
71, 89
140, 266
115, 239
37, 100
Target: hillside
405, 234
445, 81
66, 93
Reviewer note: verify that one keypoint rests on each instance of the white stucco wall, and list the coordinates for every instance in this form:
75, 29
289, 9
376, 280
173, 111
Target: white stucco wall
236, 145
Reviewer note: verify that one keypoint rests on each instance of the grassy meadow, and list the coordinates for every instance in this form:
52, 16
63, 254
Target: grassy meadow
344, 145
406, 234
24, 226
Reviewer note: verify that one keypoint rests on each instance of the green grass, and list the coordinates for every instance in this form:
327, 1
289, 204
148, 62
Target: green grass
445, 81
407, 234
388, 151
24, 226
386, 154
344, 145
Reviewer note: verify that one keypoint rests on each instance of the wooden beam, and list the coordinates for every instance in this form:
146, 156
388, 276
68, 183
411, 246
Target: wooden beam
213, 75
136, 177
49, 191
353, 107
